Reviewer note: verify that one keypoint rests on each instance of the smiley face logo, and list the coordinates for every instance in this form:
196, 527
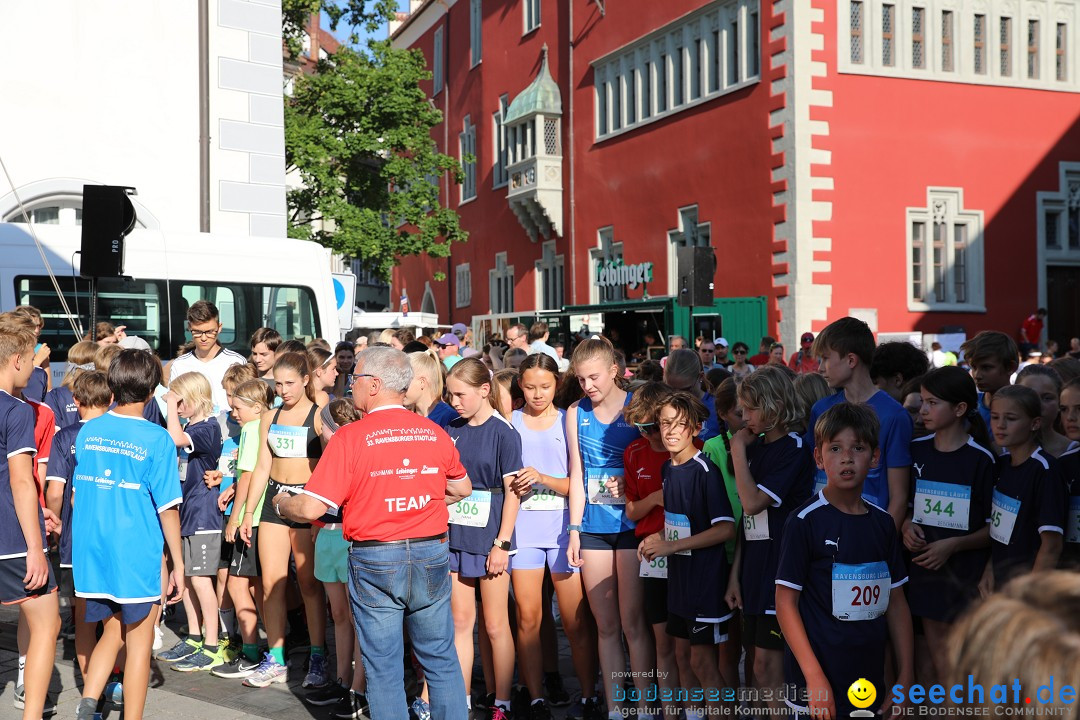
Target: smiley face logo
862, 693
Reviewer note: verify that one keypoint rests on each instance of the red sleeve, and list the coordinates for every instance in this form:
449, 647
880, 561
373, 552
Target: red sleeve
44, 430
333, 476
630, 478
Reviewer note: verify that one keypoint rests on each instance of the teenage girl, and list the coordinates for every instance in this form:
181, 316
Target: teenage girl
946, 530
774, 474
1046, 382
291, 447
602, 540
482, 525
508, 395
59, 399
542, 538
1027, 516
264, 346
1069, 463
643, 460
424, 396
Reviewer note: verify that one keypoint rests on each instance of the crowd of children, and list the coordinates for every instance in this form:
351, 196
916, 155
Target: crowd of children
769, 531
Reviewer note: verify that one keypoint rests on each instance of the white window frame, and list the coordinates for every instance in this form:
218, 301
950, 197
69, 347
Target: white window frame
689, 230
530, 16
555, 264
947, 205
606, 249
462, 286
438, 71
503, 303
467, 146
476, 32
500, 146
1057, 200
622, 74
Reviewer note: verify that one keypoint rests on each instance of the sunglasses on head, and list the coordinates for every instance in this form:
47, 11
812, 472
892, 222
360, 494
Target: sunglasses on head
647, 428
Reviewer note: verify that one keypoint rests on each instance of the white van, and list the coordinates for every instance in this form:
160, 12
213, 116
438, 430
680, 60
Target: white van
255, 282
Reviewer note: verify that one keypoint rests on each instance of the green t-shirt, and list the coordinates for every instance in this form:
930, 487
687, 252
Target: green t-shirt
246, 459
716, 451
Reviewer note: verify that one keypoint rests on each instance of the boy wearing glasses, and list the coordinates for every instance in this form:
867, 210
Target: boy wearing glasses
207, 357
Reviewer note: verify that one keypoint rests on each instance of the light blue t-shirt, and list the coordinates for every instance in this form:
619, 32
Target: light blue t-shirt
125, 474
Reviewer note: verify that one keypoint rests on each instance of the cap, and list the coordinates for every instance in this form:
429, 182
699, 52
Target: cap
414, 346
720, 341
807, 337
469, 352
134, 343
459, 329
448, 339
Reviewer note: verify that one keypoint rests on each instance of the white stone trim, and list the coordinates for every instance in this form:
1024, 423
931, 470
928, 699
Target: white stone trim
42, 193
1044, 200
954, 213
462, 285
420, 22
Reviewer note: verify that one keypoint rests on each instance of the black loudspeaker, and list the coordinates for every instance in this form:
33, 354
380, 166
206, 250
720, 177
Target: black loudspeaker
108, 216
697, 267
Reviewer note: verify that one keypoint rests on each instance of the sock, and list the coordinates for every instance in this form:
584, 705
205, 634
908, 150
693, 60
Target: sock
22, 670
318, 650
278, 654
504, 704
228, 622
537, 701
251, 651
468, 701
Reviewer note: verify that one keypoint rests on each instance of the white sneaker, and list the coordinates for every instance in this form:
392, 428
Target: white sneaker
159, 638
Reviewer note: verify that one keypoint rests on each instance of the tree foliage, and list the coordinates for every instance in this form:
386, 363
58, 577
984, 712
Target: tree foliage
358, 133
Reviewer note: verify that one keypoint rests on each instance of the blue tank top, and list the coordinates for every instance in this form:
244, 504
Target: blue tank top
602, 446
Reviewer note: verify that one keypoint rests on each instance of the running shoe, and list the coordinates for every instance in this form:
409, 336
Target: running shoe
86, 709
238, 669
419, 710
180, 650
587, 709
556, 693
331, 694
316, 674
159, 638
498, 713
20, 701
539, 711
269, 671
231, 650
352, 707
203, 660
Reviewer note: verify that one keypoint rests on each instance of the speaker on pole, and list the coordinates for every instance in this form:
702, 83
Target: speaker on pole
697, 266
108, 216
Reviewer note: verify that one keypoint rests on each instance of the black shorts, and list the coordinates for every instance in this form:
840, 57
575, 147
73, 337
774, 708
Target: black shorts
698, 633
12, 588
202, 553
762, 631
625, 540
655, 600
245, 560
99, 609
269, 515
226, 547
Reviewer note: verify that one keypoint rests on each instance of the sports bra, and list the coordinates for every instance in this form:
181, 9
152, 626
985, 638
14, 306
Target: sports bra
295, 441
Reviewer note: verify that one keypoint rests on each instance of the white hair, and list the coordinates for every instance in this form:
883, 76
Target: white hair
389, 365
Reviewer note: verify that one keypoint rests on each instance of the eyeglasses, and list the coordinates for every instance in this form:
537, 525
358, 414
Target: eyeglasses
740, 352
353, 377
707, 352
204, 333
647, 428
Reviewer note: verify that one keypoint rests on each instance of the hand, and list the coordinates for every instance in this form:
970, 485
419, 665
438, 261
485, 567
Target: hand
42, 355
822, 704
245, 530
172, 399
212, 478
887, 708
52, 523
37, 569
655, 546
733, 596
657, 496
615, 486
231, 529
225, 497
573, 550
935, 554
742, 439
497, 560
275, 502
176, 584
120, 333
986, 585
914, 540
524, 480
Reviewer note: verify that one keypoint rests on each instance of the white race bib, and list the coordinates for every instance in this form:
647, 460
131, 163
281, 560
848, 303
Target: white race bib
860, 592
288, 441
819, 480
943, 505
543, 498
473, 511
656, 568
227, 463
756, 527
182, 465
676, 527
1073, 533
599, 494
1003, 514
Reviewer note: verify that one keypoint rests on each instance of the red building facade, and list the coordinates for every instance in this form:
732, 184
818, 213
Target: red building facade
915, 162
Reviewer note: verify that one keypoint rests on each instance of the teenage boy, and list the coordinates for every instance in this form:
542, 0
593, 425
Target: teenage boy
838, 583
993, 357
92, 398
128, 491
39, 383
698, 520
846, 349
895, 364
26, 576
207, 357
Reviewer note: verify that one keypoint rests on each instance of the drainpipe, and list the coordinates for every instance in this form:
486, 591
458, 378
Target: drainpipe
204, 116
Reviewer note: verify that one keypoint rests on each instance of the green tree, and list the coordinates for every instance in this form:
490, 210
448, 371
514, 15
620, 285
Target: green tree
358, 132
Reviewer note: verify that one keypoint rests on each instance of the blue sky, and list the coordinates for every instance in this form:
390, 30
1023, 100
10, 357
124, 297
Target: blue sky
343, 31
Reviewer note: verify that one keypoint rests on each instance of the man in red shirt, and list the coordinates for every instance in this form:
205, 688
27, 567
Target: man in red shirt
392, 474
762, 358
803, 361
1031, 331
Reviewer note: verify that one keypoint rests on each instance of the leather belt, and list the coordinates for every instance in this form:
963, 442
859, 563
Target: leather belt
441, 537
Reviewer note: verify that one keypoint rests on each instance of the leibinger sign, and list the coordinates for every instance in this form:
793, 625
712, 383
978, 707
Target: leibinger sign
612, 273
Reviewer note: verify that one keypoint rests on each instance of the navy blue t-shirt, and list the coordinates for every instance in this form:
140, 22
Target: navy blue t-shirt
695, 499
894, 441
785, 472
1028, 499
37, 385
943, 484
711, 427
442, 414
16, 437
488, 451
61, 470
1069, 468
62, 403
844, 567
199, 512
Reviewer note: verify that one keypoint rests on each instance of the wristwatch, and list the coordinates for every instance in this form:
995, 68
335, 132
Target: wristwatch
501, 544
572, 528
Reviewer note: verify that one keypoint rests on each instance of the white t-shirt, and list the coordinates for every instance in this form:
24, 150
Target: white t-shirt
214, 370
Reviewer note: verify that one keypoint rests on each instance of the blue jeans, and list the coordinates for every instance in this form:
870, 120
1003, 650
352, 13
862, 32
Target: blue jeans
406, 583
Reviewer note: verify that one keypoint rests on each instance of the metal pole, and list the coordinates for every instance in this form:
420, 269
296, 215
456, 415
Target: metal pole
93, 309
